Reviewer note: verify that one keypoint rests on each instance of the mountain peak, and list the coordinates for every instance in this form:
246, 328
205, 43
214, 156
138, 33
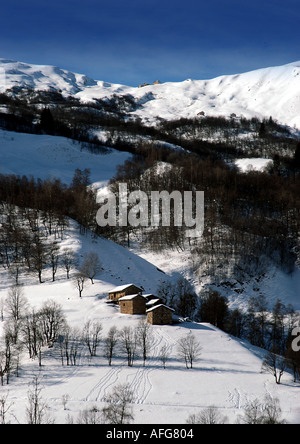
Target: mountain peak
261, 93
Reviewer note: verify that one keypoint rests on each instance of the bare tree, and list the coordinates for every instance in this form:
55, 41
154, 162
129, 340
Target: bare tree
118, 409
4, 409
16, 303
37, 409
144, 337
92, 336
79, 281
32, 334
38, 257
166, 292
275, 365
69, 260
91, 266
9, 356
54, 258
52, 321
211, 415
110, 342
128, 343
15, 270
70, 341
90, 416
189, 350
164, 355
267, 412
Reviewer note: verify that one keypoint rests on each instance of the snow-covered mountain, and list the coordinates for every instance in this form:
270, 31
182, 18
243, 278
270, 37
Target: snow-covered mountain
262, 93
228, 373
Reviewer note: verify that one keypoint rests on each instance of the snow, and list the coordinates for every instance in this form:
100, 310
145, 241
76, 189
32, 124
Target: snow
43, 156
228, 373
262, 93
120, 288
157, 306
252, 164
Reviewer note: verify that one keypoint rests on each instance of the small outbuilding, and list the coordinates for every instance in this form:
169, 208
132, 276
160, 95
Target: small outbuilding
123, 290
160, 315
133, 304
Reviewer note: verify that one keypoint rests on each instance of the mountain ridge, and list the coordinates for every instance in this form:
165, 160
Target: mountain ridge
261, 93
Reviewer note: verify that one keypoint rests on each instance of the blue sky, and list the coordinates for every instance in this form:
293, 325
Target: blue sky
132, 42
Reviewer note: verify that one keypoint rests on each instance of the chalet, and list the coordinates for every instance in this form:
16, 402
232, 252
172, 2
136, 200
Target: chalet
133, 304
160, 315
123, 290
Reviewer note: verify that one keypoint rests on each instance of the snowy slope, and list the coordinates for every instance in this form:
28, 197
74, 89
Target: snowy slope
262, 93
42, 77
227, 375
43, 156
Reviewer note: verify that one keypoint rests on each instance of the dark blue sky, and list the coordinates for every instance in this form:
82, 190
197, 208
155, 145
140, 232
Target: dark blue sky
133, 42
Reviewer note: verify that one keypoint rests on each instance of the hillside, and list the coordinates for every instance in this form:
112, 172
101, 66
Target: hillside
45, 156
262, 93
227, 375
54, 123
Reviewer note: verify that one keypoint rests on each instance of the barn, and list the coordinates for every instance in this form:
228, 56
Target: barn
133, 304
123, 290
160, 315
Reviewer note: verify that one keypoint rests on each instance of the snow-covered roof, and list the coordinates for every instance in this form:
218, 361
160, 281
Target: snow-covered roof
153, 301
129, 297
157, 306
122, 287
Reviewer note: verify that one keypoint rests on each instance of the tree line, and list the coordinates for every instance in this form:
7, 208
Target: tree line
49, 112
37, 330
51, 198
265, 326
249, 218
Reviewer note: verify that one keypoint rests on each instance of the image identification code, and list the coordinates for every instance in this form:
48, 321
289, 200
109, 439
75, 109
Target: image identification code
171, 433
155, 433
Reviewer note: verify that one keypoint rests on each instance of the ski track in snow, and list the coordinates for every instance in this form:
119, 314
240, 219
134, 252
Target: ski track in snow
101, 388
139, 378
235, 398
141, 384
